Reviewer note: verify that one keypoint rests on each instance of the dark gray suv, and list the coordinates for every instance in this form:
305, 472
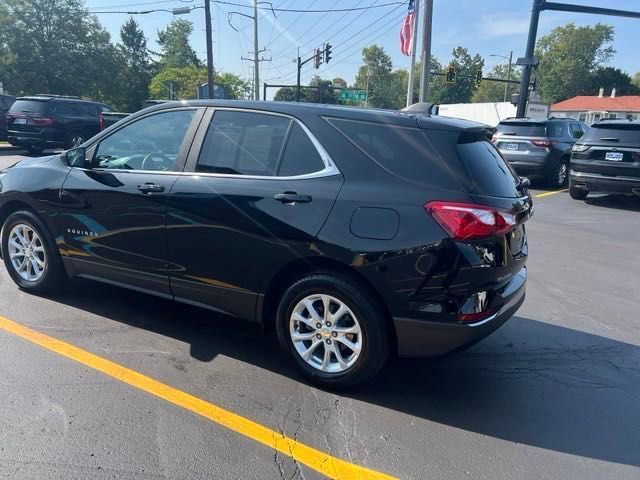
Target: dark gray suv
539, 148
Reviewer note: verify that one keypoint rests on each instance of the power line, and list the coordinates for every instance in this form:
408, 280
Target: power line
336, 10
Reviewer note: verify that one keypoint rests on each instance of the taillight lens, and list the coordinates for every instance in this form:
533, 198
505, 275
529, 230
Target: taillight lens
467, 221
101, 122
544, 142
494, 138
41, 121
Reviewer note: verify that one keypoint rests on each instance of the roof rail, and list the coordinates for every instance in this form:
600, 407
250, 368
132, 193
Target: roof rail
52, 95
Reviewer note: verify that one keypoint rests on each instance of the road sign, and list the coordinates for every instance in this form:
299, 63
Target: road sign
358, 95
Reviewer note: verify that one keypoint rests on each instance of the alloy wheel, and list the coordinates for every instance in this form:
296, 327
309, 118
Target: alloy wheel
76, 141
562, 174
26, 252
326, 333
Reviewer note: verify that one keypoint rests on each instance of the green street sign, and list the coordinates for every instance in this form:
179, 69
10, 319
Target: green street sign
358, 95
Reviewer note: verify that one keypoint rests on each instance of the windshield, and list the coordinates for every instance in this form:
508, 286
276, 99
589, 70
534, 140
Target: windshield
522, 129
614, 132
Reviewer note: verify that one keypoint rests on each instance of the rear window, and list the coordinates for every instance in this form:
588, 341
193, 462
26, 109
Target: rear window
523, 129
29, 106
487, 171
620, 133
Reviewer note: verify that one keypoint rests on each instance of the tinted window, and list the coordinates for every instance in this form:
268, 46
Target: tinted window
523, 129
614, 132
151, 143
65, 109
243, 143
576, 130
29, 106
300, 155
404, 152
488, 173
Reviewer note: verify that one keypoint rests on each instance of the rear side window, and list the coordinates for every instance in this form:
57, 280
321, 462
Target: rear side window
627, 133
402, 151
243, 143
487, 171
523, 129
300, 155
30, 106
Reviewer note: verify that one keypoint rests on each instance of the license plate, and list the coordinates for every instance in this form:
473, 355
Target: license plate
20, 121
512, 146
614, 156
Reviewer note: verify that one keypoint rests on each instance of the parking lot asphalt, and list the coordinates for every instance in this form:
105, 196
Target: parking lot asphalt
552, 394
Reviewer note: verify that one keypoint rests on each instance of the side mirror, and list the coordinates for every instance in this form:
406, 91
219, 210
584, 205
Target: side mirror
525, 182
76, 157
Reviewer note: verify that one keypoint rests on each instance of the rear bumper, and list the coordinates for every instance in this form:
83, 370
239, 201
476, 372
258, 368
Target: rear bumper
25, 139
420, 338
594, 182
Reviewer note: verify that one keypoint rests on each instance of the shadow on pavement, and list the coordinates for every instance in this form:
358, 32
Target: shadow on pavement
531, 382
619, 202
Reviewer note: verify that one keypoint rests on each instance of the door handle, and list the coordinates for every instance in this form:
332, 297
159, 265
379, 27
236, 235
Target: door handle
150, 188
292, 197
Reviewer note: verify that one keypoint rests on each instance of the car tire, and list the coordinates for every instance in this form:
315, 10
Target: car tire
75, 139
558, 174
33, 150
33, 263
578, 193
358, 336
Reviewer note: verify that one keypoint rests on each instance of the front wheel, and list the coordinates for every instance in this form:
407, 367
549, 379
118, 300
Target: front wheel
334, 331
75, 139
29, 254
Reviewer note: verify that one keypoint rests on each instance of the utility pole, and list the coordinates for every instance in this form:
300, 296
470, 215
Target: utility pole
210, 80
427, 21
529, 62
506, 85
413, 54
256, 60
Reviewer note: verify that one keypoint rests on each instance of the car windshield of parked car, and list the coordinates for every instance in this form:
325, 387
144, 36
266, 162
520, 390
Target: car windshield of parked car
522, 129
614, 132
151, 143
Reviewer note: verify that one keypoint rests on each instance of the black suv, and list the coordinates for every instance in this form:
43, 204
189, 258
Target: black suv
607, 160
354, 233
539, 147
40, 122
5, 103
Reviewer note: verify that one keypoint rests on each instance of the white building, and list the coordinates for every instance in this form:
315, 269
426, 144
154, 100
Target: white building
590, 109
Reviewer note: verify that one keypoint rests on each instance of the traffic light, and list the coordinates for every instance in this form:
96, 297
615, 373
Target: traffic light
327, 52
318, 59
451, 75
479, 76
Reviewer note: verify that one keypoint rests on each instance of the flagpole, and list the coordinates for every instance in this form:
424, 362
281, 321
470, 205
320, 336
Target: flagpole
413, 54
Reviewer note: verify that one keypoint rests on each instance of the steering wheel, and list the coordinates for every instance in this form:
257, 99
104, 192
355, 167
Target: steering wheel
156, 161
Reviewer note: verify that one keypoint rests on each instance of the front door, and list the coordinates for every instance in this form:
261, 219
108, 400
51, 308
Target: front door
113, 216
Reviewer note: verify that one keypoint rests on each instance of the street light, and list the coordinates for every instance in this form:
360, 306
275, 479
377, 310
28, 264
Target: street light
510, 58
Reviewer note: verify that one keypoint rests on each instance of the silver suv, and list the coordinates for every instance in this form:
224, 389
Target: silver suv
539, 148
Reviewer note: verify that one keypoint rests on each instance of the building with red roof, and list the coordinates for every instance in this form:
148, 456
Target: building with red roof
590, 109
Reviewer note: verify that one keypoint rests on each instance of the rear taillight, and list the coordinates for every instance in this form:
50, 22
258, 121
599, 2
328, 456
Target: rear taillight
467, 221
41, 121
494, 139
101, 122
543, 142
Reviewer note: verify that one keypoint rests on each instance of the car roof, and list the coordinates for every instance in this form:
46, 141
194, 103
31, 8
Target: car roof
393, 117
44, 98
616, 122
536, 121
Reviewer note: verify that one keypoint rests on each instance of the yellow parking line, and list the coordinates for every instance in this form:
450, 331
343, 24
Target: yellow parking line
324, 463
546, 194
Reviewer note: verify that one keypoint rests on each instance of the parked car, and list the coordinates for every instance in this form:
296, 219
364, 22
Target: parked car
5, 103
354, 233
607, 160
49, 121
539, 148
107, 119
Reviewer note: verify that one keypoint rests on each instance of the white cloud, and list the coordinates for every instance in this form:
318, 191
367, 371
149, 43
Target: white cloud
503, 25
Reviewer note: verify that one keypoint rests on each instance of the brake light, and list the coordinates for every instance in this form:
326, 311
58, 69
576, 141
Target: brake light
101, 122
494, 138
544, 142
41, 121
466, 221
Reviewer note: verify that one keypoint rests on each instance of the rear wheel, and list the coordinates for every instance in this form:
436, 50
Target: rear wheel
333, 330
558, 174
75, 139
29, 253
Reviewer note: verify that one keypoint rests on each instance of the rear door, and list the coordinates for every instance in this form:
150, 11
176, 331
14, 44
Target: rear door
257, 194
612, 149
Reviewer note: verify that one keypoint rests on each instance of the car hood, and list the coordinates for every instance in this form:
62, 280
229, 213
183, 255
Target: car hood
28, 162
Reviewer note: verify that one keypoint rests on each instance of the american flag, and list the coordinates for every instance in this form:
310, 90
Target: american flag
406, 31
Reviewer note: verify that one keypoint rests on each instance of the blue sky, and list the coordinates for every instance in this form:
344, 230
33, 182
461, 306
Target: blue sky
483, 26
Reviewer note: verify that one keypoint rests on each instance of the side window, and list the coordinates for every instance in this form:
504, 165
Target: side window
554, 129
582, 117
300, 155
243, 143
576, 130
151, 143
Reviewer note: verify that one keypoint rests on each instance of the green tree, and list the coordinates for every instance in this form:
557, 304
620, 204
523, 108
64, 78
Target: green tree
463, 90
176, 49
376, 75
327, 93
186, 81
55, 46
610, 78
235, 87
569, 57
636, 80
136, 65
489, 91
